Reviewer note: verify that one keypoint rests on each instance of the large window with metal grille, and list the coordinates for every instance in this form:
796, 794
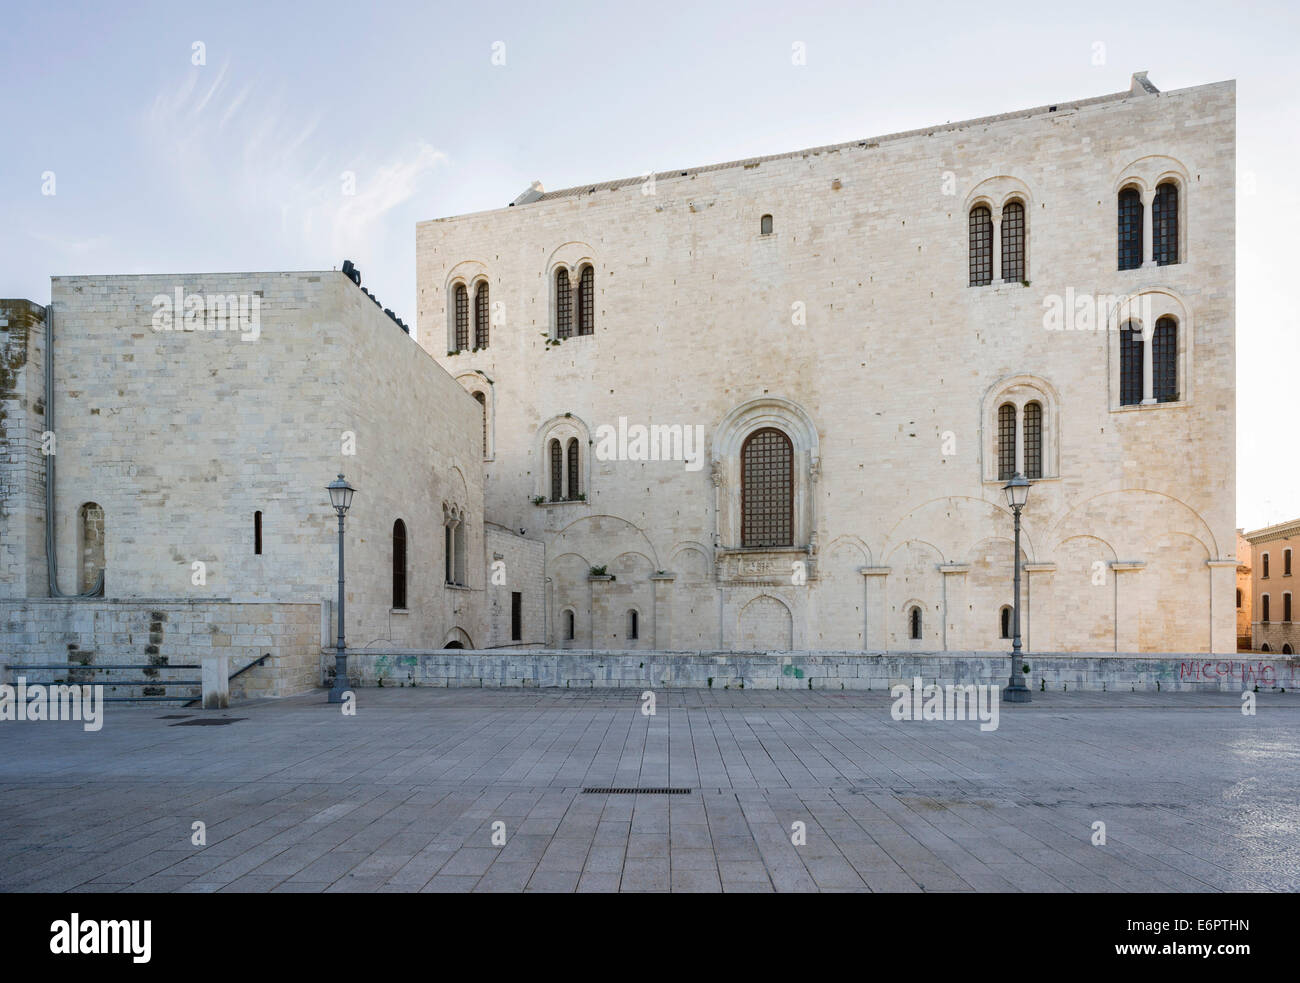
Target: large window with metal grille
482, 311
563, 305
1033, 440
462, 317
1006, 442
1164, 228
1164, 361
1013, 242
587, 301
767, 489
1130, 229
981, 246
1130, 365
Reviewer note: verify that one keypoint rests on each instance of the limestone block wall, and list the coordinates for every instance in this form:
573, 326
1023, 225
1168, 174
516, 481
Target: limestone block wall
156, 633
852, 327
515, 563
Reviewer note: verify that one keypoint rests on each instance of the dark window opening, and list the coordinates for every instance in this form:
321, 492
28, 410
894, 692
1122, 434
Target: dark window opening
399, 564
1264, 609
1130, 365
1006, 442
257, 533
1013, 242
557, 471
462, 317
1164, 229
1033, 440
482, 311
1006, 622
981, 246
571, 463
568, 626
915, 619
1164, 361
632, 628
587, 301
765, 225
1130, 229
516, 616
563, 305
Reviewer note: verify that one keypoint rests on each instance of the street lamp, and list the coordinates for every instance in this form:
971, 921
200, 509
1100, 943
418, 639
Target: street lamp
341, 498
1017, 491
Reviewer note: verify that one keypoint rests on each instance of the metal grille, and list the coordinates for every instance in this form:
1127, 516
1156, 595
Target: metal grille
1006, 442
573, 468
481, 311
557, 472
627, 790
1013, 242
1130, 365
1130, 229
767, 489
563, 305
981, 246
1164, 230
1164, 361
399, 564
1034, 440
462, 317
587, 301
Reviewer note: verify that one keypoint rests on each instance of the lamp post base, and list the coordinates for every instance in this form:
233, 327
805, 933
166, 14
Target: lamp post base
1016, 693
340, 679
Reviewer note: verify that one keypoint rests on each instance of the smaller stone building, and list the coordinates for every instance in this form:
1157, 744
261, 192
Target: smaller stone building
1275, 551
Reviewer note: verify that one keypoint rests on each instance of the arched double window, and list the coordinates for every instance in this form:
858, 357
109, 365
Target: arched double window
1030, 463
767, 489
997, 248
1164, 228
1164, 363
461, 304
482, 314
565, 464
399, 564
1130, 228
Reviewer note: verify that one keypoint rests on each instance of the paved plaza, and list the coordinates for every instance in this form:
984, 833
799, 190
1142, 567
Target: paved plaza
296, 797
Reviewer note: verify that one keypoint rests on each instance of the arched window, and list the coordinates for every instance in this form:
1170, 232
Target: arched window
1286, 606
257, 533
482, 401
914, 622
1130, 229
632, 627
462, 317
482, 310
767, 489
981, 246
1013, 242
557, 472
1164, 361
458, 542
1265, 648
90, 534
399, 564
568, 626
1006, 622
587, 301
571, 467
1006, 442
1033, 440
1164, 228
1130, 365
1263, 609
1287, 650
563, 304
765, 225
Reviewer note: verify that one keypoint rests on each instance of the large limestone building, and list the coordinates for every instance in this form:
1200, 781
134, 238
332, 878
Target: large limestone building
853, 347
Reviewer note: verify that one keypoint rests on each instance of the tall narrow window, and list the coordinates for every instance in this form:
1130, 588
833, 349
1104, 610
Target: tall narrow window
571, 466
257, 533
1033, 440
482, 311
633, 629
563, 305
1006, 442
1164, 361
449, 552
914, 619
981, 246
1286, 607
482, 401
557, 472
1263, 608
1006, 622
1286, 563
568, 626
767, 489
1265, 571
516, 616
1130, 365
1013, 242
462, 317
1238, 597
399, 564
765, 225
458, 544
587, 301
1130, 229
1164, 228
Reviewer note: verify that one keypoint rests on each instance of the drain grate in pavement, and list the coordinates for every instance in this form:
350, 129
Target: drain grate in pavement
208, 721
633, 791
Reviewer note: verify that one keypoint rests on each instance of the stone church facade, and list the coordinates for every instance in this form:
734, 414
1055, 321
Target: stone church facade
771, 404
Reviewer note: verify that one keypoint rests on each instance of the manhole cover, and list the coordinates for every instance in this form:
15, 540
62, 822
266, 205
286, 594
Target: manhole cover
631, 791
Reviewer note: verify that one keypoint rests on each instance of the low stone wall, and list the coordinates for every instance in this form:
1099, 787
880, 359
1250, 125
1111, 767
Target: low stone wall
158, 633
808, 670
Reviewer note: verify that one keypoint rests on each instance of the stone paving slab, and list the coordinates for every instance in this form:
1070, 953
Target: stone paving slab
413, 793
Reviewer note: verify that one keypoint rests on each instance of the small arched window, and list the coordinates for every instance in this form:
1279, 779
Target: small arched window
633, 629
568, 626
1164, 228
399, 564
1006, 442
1013, 242
1263, 609
1286, 649
563, 304
765, 225
557, 472
1033, 440
462, 317
981, 246
914, 622
1130, 365
1164, 361
587, 301
767, 489
482, 311
571, 467
257, 533
1265, 648
1005, 617
1130, 229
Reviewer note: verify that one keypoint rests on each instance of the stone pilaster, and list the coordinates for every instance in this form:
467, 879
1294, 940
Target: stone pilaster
876, 633
663, 633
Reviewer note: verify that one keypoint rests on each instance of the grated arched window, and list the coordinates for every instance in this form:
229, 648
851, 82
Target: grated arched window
1033, 440
571, 466
1130, 365
482, 311
587, 301
1164, 361
462, 317
1006, 442
1013, 242
767, 489
981, 246
557, 472
1164, 228
563, 305
1130, 229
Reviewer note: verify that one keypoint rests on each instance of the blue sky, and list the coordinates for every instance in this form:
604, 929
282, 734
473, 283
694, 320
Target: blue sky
163, 166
